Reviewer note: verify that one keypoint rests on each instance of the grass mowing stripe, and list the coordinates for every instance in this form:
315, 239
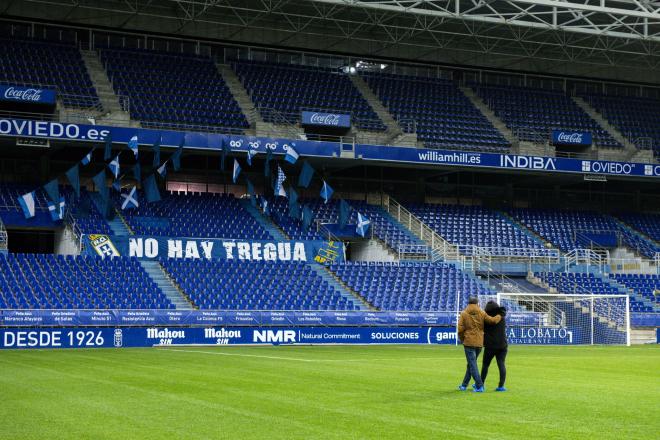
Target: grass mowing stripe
348, 392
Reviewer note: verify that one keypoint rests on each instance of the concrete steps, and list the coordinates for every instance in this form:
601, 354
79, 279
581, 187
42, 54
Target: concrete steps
342, 288
157, 274
240, 94
112, 108
490, 115
265, 222
630, 152
394, 134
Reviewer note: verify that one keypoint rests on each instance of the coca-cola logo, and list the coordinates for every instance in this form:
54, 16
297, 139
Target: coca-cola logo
324, 119
23, 94
570, 138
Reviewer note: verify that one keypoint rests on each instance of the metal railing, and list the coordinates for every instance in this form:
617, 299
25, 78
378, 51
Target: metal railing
72, 224
512, 254
588, 257
413, 252
440, 249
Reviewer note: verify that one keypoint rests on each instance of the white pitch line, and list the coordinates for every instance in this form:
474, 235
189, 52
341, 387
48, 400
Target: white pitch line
282, 358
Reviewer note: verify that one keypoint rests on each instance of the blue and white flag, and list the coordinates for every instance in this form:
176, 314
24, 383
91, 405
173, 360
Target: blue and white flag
162, 170
291, 154
88, 158
57, 211
279, 187
114, 166
237, 171
130, 199
362, 225
326, 191
250, 155
133, 145
28, 204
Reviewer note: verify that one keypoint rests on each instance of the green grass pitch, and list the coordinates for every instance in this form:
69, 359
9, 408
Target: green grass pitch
379, 392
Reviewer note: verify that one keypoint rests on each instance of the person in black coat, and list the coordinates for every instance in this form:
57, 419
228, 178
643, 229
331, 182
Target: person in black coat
495, 344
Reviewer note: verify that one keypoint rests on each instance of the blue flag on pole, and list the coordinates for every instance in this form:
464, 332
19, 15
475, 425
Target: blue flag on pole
250, 191
73, 175
156, 150
237, 171
53, 191
306, 175
133, 145
269, 157
136, 172
88, 158
114, 166
99, 182
225, 151
151, 189
291, 154
250, 155
294, 209
176, 157
107, 153
130, 200
307, 217
326, 191
162, 170
344, 213
279, 184
57, 210
28, 204
362, 225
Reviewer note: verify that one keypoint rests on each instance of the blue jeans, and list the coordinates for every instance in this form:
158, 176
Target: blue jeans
472, 370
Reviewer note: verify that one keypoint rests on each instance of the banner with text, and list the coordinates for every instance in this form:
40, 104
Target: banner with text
108, 337
321, 119
27, 95
561, 137
152, 248
214, 141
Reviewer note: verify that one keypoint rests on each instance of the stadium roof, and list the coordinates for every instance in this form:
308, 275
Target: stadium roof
611, 33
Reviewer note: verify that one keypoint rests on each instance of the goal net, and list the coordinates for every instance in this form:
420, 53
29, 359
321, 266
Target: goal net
563, 319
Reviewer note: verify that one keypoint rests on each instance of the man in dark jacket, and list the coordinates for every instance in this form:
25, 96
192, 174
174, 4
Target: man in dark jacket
495, 344
471, 334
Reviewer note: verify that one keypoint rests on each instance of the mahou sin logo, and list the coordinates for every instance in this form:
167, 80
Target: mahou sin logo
23, 94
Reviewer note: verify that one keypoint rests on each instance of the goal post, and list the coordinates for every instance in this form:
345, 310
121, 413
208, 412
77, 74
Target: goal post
566, 319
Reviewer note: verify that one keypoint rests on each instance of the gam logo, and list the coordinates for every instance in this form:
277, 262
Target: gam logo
274, 336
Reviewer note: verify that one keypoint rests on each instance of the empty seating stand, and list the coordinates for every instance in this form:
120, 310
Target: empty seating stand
87, 218
169, 88
635, 117
444, 117
410, 285
39, 63
384, 228
586, 284
533, 113
36, 281
474, 226
194, 215
289, 89
648, 286
233, 285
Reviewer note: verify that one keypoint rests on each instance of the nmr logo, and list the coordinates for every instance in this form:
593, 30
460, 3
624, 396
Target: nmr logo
274, 336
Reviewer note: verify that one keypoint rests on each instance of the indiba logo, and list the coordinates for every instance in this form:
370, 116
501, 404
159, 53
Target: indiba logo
23, 94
